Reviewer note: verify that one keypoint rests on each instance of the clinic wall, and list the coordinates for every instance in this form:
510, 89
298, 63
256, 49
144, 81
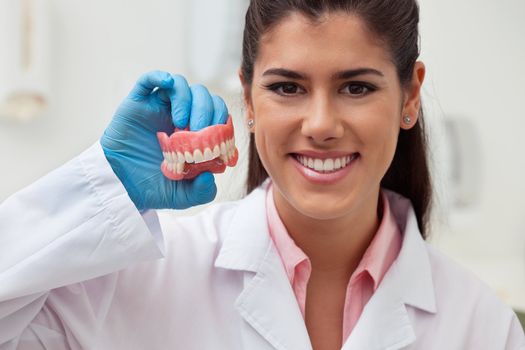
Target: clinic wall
98, 49
473, 51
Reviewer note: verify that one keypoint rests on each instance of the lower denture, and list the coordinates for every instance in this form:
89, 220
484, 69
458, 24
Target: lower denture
184, 142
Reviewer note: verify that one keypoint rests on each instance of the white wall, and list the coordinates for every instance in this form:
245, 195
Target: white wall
473, 49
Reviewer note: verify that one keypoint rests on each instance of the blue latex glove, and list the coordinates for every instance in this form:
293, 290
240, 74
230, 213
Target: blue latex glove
157, 103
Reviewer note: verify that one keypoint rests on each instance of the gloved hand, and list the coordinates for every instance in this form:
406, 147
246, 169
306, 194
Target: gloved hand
158, 102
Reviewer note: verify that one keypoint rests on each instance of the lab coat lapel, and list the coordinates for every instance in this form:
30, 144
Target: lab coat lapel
385, 323
267, 302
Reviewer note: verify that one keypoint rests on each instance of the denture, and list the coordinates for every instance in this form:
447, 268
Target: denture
189, 153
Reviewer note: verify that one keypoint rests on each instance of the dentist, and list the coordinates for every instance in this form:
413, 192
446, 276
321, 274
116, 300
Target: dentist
326, 251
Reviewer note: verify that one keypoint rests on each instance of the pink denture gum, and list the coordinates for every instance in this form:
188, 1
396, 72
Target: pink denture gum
189, 153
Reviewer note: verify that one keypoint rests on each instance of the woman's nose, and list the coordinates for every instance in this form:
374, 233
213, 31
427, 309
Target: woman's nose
322, 122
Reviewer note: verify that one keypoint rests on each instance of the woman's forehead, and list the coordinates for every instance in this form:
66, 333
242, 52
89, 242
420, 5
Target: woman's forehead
336, 40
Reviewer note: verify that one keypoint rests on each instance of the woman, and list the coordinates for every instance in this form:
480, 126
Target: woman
323, 254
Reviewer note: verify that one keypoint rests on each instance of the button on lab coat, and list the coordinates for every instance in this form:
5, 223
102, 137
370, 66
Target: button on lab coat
81, 268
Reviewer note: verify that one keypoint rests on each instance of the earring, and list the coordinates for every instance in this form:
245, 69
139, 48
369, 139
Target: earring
407, 120
251, 123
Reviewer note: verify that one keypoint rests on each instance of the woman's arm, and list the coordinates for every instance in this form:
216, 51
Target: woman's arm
63, 239
75, 224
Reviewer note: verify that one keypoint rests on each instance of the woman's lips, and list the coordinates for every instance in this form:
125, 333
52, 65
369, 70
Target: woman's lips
323, 169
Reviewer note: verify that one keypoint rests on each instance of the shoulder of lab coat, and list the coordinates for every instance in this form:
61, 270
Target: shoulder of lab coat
444, 298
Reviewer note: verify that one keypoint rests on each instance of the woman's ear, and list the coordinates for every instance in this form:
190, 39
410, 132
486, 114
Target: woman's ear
412, 102
246, 97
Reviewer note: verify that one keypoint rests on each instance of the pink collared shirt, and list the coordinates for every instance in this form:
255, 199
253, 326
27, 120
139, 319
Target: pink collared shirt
376, 261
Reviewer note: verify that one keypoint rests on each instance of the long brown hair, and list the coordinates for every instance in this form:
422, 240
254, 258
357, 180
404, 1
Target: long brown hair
395, 22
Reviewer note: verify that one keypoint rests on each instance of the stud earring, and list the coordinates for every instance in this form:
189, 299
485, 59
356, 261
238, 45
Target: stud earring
407, 120
251, 123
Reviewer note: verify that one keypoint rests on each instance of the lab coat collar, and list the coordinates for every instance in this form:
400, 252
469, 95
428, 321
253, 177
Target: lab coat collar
385, 321
268, 303
247, 238
412, 266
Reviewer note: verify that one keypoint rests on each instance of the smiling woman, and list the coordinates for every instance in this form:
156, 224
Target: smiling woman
326, 252
348, 44
343, 105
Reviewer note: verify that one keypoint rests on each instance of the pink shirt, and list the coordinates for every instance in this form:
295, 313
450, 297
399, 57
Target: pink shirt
376, 261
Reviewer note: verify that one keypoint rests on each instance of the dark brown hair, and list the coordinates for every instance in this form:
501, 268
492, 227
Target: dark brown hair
395, 23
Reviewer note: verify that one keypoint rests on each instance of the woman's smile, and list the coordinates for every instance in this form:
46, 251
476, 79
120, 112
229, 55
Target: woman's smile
324, 168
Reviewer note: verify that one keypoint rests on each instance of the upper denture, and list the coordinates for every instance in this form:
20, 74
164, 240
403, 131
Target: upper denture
188, 153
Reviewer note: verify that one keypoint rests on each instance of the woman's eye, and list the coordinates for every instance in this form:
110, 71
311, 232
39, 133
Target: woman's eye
285, 88
358, 89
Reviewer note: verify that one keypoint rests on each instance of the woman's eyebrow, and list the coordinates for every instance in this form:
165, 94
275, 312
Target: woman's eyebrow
351, 73
284, 73
346, 74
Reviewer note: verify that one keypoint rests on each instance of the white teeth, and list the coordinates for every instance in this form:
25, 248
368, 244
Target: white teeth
180, 158
230, 144
216, 151
197, 156
310, 163
225, 150
337, 163
208, 155
328, 165
180, 167
325, 165
188, 157
318, 164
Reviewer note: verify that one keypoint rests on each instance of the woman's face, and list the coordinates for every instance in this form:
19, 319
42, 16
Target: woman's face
328, 107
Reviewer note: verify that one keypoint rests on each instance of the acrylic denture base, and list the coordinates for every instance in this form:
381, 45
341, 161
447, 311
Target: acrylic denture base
189, 153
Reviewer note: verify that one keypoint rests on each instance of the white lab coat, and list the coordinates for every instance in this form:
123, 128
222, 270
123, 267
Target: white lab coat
81, 268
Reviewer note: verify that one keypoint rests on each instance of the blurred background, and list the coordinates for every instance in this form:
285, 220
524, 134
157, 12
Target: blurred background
66, 64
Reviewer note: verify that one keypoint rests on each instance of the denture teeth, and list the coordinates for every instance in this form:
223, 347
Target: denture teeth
208, 155
197, 156
188, 157
180, 158
216, 151
223, 148
180, 167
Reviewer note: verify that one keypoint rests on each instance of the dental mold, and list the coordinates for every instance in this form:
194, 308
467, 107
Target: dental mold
189, 153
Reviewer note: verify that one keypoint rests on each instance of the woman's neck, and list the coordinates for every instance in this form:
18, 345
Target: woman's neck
334, 246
